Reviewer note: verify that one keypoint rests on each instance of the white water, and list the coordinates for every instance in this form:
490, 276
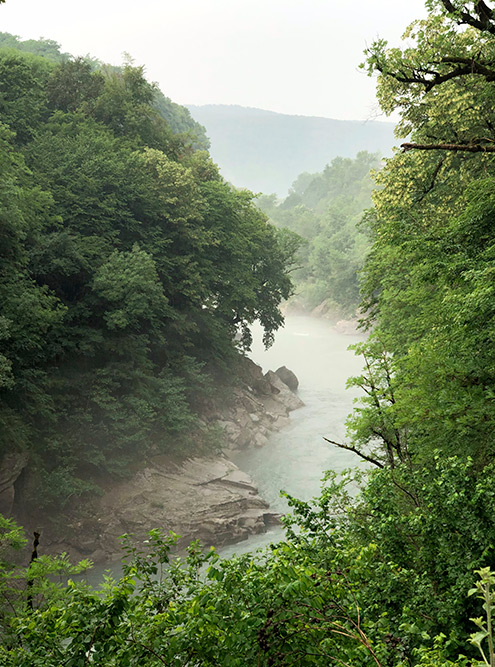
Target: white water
296, 458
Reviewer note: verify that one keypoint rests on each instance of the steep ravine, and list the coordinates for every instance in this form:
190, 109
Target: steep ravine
297, 456
230, 498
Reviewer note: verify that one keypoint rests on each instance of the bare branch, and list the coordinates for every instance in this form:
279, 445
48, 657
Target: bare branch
350, 448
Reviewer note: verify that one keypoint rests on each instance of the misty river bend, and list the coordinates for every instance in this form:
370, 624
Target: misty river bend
296, 457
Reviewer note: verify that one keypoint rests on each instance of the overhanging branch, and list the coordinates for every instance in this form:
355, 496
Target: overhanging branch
466, 148
349, 448
483, 21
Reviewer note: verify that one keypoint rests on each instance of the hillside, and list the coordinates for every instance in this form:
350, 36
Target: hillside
127, 286
266, 151
325, 209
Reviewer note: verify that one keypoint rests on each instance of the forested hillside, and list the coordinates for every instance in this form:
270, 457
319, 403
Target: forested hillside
326, 209
130, 272
265, 151
403, 573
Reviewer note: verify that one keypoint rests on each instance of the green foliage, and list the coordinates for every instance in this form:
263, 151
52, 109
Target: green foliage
22, 92
484, 591
428, 278
180, 121
379, 580
47, 48
127, 268
325, 209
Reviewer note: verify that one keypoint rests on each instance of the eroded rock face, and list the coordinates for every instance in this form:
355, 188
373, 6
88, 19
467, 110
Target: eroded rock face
260, 406
205, 498
283, 393
208, 499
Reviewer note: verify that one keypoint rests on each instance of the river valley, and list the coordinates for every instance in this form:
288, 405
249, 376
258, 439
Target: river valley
296, 457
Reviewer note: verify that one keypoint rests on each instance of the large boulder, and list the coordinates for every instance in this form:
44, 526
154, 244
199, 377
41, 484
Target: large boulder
282, 393
252, 375
287, 376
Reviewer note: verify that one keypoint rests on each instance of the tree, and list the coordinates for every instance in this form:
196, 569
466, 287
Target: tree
128, 267
22, 92
452, 66
427, 274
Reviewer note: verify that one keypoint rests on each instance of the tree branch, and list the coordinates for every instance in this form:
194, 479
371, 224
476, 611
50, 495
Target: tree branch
467, 148
349, 448
484, 22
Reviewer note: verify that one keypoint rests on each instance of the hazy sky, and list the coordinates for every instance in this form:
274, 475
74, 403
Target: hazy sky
291, 56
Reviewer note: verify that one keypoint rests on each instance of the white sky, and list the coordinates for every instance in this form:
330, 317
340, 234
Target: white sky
290, 56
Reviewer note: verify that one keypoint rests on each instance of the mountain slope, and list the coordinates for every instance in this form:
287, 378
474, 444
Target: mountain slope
265, 151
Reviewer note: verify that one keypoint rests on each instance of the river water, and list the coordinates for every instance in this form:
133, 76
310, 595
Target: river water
296, 458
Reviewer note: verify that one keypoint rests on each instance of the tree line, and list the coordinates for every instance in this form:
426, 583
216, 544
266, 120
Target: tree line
325, 209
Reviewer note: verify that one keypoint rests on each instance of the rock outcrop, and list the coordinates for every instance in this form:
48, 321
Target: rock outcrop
205, 498
208, 499
287, 376
260, 405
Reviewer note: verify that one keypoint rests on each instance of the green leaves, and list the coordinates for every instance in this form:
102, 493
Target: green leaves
325, 209
128, 283
127, 267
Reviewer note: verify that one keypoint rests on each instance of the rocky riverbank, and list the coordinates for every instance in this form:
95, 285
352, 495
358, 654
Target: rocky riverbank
205, 498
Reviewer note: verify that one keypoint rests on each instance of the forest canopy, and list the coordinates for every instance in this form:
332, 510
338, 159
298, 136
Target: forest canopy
325, 209
130, 270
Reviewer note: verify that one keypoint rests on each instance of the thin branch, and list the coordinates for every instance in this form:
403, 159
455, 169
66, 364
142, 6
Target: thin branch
404, 490
350, 448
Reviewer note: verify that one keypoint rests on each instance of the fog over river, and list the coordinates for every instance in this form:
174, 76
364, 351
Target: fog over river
296, 457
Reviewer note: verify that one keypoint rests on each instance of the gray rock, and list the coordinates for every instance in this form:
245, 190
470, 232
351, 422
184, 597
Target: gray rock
205, 498
260, 440
281, 422
282, 392
231, 429
288, 377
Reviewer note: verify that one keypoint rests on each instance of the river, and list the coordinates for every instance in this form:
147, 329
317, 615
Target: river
296, 458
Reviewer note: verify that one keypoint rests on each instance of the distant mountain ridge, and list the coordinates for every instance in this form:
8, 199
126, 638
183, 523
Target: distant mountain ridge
265, 151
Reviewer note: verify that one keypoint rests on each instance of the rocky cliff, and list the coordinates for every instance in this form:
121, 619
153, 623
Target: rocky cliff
205, 498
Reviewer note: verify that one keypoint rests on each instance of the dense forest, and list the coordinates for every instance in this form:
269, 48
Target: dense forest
325, 209
130, 272
397, 575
